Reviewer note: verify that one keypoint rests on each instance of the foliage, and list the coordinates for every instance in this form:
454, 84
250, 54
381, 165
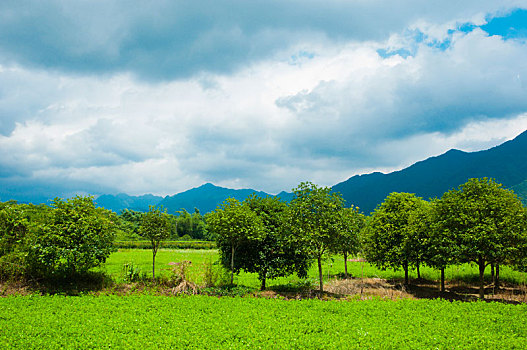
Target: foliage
155, 226
165, 245
273, 254
192, 225
314, 221
234, 224
486, 222
347, 241
147, 322
74, 237
390, 239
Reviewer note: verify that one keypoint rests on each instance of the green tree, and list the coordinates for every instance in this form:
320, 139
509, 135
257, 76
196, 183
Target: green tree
155, 226
390, 240
71, 238
13, 231
272, 254
314, 220
233, 224
347, 240
486, 222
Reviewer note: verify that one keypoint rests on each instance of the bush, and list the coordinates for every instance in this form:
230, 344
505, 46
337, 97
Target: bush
74, 238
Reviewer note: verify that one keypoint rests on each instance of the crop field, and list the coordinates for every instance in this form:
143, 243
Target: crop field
200, 322
142, 259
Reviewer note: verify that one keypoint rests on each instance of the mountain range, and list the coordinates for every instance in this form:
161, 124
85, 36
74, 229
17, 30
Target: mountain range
506, 163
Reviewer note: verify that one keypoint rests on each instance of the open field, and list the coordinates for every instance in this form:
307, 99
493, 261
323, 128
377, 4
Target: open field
200, 322
459, 278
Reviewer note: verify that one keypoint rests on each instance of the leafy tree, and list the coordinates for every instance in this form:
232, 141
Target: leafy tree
486, 222
272, 254
314, 220
347, 240
155, 226
390, 240
130, 221
13, 231
233, 224
72, 238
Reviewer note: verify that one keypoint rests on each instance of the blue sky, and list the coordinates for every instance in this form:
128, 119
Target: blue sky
159, 97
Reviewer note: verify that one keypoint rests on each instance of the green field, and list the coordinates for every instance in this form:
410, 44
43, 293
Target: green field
200, 322
142, 259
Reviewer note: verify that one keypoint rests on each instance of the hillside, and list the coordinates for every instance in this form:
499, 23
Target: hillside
208, 196
123, 201
507, 163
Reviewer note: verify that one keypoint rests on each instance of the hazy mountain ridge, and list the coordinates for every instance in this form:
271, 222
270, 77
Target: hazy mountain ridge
208, 196
123, 201
507, 163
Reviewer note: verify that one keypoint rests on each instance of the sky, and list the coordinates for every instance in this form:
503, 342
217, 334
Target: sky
110, 96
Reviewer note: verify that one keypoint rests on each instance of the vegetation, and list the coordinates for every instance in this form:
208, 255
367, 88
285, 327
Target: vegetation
391, 239
200, 322
155, 226
485, 222
315, 221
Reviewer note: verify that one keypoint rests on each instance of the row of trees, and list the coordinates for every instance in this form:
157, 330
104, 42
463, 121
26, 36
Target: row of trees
479, 222
272, 238
182, 226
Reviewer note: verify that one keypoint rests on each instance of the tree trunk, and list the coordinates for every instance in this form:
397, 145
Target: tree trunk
418, 272
264, 277
346, 265
319, 259
232, 265
405, 267
497, 280
492, 274
154, 265
481, 264
442, 290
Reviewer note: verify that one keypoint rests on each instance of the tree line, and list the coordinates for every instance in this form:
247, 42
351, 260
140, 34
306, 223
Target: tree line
479, 222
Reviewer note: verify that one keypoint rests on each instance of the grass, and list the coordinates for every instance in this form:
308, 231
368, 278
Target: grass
460, 277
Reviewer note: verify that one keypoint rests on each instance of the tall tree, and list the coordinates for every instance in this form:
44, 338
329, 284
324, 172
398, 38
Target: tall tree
347, 241
233, 225
440, 247
390, 241
486, 221
155, 226
313, 218
273, 254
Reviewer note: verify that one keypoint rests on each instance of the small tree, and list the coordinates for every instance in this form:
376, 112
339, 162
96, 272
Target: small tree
155, 226
486, 222
314, 220
347, 241
233, 224
390, 241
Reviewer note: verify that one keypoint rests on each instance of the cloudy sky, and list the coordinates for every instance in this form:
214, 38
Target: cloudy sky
108, 96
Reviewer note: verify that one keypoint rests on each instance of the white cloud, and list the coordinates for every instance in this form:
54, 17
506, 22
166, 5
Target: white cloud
320, 108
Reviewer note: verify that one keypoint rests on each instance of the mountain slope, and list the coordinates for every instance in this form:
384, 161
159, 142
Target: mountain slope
207, 197
123, 201
507, 163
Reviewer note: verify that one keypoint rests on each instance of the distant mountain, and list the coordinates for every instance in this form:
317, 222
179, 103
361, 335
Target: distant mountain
123, 201
208, 196
506, 163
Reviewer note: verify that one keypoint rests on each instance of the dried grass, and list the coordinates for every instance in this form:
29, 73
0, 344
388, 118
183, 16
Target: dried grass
367, 288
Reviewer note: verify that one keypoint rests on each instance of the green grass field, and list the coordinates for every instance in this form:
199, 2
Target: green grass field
142, 259
200, 322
